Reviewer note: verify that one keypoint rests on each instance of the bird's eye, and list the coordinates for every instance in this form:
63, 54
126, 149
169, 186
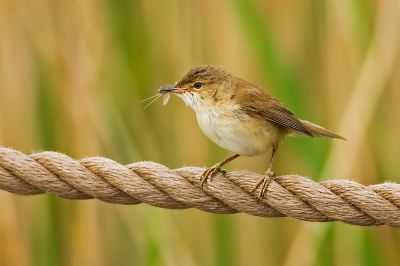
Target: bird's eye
198, 85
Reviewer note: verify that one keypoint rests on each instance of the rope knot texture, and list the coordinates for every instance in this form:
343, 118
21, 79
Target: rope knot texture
155, 184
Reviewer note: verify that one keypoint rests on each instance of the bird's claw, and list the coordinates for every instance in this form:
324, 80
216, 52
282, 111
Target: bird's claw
210, 172
264, 183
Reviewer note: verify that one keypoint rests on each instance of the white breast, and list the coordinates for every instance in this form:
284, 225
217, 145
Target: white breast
233, 129
238, 132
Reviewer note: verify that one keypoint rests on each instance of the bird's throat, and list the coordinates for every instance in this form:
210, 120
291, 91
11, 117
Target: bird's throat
192, 100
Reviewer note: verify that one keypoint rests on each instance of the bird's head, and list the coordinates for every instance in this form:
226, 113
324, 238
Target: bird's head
203, 86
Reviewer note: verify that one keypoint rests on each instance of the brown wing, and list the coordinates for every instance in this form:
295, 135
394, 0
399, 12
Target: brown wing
255, 101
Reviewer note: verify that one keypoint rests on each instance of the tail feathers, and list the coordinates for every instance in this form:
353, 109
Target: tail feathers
318, 131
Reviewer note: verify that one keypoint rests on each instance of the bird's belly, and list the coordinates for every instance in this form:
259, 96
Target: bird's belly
239, 133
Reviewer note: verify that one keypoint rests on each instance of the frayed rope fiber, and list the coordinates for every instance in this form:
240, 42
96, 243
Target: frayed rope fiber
152, 183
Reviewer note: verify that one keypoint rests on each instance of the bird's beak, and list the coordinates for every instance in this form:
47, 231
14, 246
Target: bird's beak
171, 88
179, 90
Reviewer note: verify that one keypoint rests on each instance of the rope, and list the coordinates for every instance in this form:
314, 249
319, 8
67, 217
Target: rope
148, 182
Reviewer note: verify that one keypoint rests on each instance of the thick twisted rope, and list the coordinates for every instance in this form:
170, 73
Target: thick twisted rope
148, 182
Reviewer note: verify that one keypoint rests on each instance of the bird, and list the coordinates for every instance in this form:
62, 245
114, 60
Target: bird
239, 116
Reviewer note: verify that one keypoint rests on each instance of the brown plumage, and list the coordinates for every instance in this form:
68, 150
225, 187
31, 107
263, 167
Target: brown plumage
239, 116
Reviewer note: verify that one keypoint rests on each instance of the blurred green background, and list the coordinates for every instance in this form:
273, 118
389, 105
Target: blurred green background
72, 74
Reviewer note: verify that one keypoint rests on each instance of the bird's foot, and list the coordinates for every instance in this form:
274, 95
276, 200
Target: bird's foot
210, 172
264, 183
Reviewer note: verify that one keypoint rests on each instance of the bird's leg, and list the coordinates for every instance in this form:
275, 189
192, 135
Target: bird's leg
208, 174
269, 175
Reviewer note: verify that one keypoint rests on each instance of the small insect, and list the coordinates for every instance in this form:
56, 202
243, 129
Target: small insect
164, 91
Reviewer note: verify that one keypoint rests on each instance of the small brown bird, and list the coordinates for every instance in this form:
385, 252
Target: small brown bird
239, 116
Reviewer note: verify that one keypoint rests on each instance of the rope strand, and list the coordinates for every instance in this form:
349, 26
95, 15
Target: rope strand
148, 182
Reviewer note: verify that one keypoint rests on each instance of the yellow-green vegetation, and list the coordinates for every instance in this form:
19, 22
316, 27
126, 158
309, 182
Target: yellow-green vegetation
72, 74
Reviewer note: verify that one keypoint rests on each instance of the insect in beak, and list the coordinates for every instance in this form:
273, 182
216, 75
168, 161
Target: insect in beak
166, 92
167, 88
171, 88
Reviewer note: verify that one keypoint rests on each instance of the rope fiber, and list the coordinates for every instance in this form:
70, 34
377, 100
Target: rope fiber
152, 183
